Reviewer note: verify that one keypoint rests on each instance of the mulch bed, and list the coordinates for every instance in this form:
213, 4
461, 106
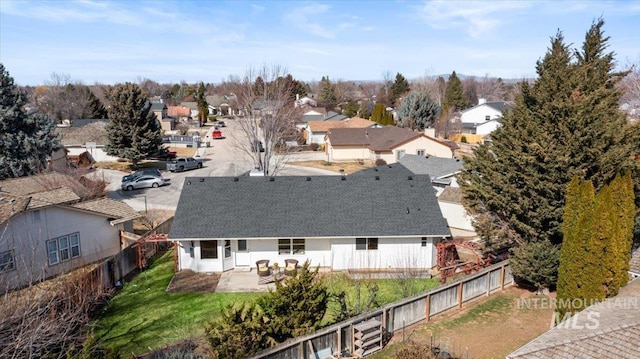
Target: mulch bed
188, 281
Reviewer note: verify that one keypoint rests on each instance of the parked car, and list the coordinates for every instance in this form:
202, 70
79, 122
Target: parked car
257, 146
145, 181
221, 124
147, 171
166, 155
184, 163
216, 134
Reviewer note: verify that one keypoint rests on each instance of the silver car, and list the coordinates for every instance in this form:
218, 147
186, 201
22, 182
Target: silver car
145, 181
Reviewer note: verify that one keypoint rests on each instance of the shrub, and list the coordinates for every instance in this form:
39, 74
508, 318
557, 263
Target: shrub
463, 139
321, 148
314, 146
380, 162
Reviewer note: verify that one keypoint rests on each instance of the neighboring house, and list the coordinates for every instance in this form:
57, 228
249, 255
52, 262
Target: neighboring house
317, 130
180, 113
220, 105
86, 136
483, 118
193, 108
606, 330
313, 115
46, 229
305, 101
160, 109
389, 143
442, 172
381, 222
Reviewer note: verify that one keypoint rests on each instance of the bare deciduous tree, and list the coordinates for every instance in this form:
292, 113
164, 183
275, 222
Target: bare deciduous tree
631, 87
269, 117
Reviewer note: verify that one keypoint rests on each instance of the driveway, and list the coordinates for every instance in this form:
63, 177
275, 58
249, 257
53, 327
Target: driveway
224, 157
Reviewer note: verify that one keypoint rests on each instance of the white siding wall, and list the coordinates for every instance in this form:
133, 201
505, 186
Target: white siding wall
392, 253
98, 240
487, 128
479, 114
457, 218
344, 153
98, 153
316, 137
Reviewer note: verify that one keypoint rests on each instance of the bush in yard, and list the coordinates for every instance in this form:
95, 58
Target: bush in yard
380, 162
314, 146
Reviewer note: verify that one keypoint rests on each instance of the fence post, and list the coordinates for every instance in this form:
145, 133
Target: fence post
427, 307
502, 268
339, 348
489, 275
460, 295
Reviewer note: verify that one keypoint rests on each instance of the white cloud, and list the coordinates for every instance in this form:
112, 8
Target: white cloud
476, 17
305, 18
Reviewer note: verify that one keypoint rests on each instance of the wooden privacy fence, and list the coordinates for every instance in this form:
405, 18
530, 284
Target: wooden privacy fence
338, 339
107, 273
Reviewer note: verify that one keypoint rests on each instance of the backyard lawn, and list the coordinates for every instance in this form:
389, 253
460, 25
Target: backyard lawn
144, 315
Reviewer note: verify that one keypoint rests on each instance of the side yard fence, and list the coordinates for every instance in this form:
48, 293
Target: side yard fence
338, 338
133, 257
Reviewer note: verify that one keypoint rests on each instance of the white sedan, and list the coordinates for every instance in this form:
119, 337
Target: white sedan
144, 182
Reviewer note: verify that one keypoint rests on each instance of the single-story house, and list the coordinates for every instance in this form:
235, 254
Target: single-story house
389, 143
338, 222
47, 229
317, 130
606, 330
313, 116
442, 172
483, 118
193, 108
86, 136
305, 101
179, 112
222, 104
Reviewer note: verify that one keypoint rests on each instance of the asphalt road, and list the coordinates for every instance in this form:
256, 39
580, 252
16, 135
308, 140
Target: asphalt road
224, 157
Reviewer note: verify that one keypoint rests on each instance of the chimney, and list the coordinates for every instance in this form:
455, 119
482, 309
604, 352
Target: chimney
482, 101
430, 132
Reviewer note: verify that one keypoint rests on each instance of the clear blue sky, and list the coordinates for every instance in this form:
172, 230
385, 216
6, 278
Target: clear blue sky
167, 41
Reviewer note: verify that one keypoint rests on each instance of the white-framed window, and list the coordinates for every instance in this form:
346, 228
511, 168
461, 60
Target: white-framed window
63, 248
421, 152
192, 251
227, 248
487, 118
208, 249
7, 261
424, 242
242, 245
366, 244
35, 215
291, 246
400, 154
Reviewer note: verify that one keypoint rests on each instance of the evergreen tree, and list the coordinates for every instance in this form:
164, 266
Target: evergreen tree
454, 94
297, 306
381, 115
536, 263
621, 211
399, 88
418, 111
26, 141
203, 106
96, 108
350, 109
327, 93
579, 274
519, 181
258, 87
133, 130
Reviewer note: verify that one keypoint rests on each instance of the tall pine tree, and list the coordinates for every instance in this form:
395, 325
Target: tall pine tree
400, 87
327, 94
203, 106
622, 213
454, 95
26, 141
519, 181
133, 130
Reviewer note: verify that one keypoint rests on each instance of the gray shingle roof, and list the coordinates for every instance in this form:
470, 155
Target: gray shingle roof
610, 329
322, 206
435, 167
95, 131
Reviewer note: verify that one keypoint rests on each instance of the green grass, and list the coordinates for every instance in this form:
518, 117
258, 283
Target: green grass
143, 315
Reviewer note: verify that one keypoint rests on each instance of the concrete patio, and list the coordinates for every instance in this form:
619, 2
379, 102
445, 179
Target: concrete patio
241, 280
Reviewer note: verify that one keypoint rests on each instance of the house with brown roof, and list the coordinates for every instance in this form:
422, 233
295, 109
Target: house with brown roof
47, 228
86, 137
160, 109
388, 143
180, 113
317, 130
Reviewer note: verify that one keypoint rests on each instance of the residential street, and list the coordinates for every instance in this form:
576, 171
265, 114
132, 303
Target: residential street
224, 157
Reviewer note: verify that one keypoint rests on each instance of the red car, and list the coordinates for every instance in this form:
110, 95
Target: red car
216, 134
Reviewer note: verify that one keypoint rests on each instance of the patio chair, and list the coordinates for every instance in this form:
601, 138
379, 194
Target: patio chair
263, 268
291, 267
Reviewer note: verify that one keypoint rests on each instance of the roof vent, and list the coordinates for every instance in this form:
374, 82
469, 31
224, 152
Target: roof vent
236, 179
201, 179
1, 199
375, 169
188, 183
408, 210
308, 178
410, 178
377, 178
271, 179
343, 178
12, 200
